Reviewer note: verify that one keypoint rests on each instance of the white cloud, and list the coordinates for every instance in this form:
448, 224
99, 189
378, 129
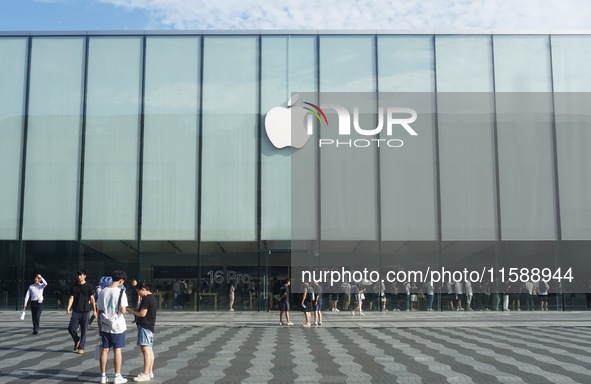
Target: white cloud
364, 14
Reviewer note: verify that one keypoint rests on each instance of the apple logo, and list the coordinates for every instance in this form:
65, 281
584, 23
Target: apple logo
285, 127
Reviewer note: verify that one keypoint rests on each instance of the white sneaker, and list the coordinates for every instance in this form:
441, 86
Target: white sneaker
121, 380
290, 323
104, 380
336, 309
142, 377
281, 323
151, 375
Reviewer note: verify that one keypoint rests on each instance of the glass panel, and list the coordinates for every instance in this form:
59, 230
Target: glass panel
57, 262
166, 264
348, 175
10, 275
169, 203
406, 64
13, 59
572, 84
571, 56
288, 65
465, 118
531, 262
575, 258
53, 142
112, 138
525, 137
230, 117
232, 263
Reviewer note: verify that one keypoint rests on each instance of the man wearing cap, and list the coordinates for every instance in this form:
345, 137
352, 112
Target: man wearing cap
79, 305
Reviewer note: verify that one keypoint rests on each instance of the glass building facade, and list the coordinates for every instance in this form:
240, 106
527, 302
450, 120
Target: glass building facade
147, 152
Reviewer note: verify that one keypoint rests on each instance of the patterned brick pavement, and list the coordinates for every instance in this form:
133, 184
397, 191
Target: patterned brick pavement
369, 351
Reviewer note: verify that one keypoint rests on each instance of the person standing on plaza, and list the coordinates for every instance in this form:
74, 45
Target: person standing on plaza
307, 299
145, 321
231, 295
284, 303
112, 304
430, 290
542, 288
317, 303
78, 310
35, 294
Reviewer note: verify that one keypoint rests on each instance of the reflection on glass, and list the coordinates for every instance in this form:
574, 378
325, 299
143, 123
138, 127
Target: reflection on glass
13, 55
169, 203
53, 140
288, 66
229, 171
112, 137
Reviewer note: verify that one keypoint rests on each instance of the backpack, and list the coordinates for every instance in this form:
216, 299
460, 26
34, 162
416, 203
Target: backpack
112, 322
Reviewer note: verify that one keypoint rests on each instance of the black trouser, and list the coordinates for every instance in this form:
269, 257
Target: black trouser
79, 319
36, 309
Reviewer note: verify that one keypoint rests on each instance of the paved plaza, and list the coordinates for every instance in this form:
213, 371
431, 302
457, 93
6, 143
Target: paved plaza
392, 347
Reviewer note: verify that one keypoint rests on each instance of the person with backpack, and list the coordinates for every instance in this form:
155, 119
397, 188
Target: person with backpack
103, 283
111, 305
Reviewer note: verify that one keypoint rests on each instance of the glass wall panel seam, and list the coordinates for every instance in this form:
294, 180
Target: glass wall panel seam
496, 158
25, 126
259, 162
82, 152
259, 147
437, 162
200, 156
558, 242
378, 162
554, 146
141, 154
318, 156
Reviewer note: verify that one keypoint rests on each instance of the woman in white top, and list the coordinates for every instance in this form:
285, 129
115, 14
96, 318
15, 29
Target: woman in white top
35, 294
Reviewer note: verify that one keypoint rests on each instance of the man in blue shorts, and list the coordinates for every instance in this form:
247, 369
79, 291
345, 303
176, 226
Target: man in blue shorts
145, 321
111, 305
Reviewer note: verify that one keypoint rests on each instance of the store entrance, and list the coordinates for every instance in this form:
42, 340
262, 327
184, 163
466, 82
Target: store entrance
275, 264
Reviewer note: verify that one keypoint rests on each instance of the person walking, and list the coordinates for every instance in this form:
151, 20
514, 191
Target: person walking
111, 305
284, 303
145, 321
78, 310
35, 294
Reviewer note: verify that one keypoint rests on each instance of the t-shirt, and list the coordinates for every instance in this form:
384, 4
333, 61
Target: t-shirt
82, 294
149, 321
107, 302
282, 291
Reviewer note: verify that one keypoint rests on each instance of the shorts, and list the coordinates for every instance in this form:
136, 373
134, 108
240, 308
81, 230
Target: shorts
283, 306
307, 307
145, 337
113, 340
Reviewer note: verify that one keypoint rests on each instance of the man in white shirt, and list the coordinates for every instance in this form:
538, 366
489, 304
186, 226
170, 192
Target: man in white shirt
35, 293
111, 305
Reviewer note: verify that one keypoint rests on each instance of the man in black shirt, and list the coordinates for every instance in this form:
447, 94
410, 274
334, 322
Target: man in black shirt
78, 309
145, 320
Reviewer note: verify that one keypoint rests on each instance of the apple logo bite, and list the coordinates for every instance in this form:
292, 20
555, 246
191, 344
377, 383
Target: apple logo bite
285, 127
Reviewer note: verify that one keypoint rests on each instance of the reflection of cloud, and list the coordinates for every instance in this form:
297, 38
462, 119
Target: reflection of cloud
364, 14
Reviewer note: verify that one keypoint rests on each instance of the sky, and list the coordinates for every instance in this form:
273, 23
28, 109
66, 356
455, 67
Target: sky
405, 15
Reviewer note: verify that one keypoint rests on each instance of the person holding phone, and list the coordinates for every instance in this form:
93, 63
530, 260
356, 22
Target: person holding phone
35, 294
